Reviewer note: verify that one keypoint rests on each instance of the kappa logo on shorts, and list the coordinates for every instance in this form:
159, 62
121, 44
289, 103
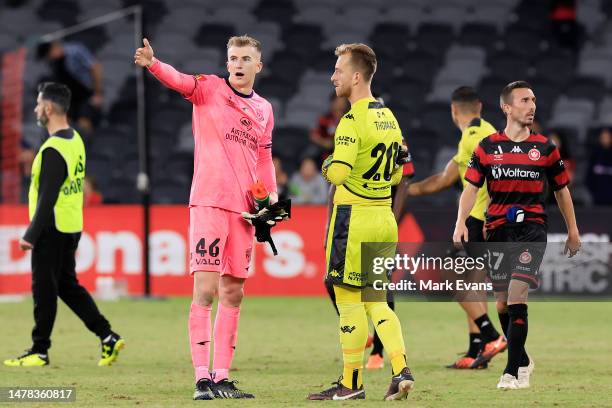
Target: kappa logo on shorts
525, 257
347, 329
334, 274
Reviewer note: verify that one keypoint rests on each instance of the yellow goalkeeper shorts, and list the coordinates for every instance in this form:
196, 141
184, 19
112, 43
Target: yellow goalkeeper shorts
350, 226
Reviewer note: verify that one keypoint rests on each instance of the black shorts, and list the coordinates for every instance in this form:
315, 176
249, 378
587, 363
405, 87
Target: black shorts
475, 248
515, 252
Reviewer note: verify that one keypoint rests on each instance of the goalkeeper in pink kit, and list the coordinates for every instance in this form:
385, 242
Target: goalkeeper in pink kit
232, 128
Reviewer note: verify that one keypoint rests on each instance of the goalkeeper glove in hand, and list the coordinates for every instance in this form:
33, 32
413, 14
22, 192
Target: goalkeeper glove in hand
326, 163
265, 219
403, 156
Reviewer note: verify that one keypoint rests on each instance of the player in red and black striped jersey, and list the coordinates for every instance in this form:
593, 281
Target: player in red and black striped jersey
516, 165
516, 174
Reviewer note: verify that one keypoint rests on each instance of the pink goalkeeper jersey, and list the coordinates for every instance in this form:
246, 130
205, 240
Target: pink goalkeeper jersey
233, 139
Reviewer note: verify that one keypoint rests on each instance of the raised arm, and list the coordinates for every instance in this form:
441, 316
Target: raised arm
166, 74
437, 182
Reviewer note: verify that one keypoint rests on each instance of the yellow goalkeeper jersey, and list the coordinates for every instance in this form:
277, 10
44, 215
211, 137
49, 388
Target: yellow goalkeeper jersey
367, 140
471, 136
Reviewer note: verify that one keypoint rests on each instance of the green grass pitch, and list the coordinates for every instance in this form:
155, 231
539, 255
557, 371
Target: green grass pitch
288, 347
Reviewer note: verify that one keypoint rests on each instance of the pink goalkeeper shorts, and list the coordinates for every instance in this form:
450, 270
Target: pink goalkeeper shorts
219, 241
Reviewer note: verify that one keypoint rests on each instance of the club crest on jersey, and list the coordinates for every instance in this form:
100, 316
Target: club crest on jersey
534, 154
498, 154
525, 257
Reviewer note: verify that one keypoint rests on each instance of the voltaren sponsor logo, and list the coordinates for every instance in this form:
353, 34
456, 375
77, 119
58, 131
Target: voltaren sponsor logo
499, 172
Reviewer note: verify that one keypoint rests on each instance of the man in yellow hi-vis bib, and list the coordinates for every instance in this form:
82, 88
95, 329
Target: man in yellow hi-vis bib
56, 221
363, 168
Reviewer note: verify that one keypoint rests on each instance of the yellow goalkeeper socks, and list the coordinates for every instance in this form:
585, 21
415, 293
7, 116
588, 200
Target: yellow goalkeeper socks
353, 334
352, 377
389, 330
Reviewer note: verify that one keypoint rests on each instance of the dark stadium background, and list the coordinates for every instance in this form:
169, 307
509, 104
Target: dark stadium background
288, 341
425, 49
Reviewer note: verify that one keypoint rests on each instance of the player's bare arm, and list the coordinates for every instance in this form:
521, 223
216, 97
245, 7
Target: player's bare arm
466, 203
399, 199
566, 206
437, 182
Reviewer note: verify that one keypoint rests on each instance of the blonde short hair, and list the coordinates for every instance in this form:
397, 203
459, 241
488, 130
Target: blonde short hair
363, 58
244, 41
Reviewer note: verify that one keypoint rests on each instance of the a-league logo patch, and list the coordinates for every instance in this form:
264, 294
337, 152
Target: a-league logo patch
525, 258
534, 154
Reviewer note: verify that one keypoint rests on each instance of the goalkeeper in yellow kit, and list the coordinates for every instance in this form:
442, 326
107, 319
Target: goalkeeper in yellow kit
367, 144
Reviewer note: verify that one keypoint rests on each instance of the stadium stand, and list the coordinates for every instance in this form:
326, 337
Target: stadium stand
426, 48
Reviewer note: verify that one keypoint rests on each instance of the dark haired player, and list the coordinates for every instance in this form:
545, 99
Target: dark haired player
56, 221
516, 164
485, 341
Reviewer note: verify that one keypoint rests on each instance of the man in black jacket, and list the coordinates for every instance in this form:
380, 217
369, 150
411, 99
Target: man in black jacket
56, 221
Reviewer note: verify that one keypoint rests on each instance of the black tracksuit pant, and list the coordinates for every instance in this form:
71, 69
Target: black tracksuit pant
53, 275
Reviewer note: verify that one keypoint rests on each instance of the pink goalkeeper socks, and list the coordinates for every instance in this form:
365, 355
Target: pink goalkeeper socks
225, 334
199, 339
